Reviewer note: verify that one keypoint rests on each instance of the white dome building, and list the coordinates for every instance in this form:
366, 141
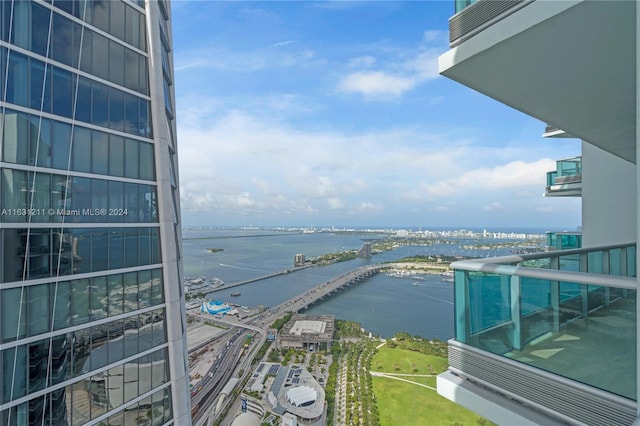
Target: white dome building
246, 419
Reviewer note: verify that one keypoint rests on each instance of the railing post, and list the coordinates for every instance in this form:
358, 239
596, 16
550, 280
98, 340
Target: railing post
462, 305
514, 283
606, 270
555, 295
624, 270
584, 288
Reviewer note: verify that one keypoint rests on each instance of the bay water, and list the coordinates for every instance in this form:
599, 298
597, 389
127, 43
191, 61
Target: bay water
383, 305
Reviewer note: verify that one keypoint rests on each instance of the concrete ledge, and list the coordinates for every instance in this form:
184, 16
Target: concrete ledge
491, 405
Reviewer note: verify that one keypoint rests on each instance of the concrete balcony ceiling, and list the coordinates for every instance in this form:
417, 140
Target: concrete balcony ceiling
571, 64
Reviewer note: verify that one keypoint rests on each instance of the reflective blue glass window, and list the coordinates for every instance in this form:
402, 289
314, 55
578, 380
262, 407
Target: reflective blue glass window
5, 19
132, 69
40, 186
63, 92
82, 250
132, 202
100, 153
131, 104
116, 62
100, 56
144, 289
41, 131
117, 19
98, 294
36, 83
62, 46
61, 299
116, 248
116, 208
116, 110
100, 104
81, 149
13, 312
131, 249
15, 135
61, 142
30, 28
144, 123
83, 100
116, 295
147, 169
14, 190
80, 301
99, 199
39, 318
17, 79
99, 14
131, 159
86, 54
14, 374
116, 155
66, 5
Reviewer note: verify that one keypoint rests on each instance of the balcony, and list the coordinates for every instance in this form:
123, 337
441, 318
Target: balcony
571, 64
566, 180
472, 16
563, 240
553, 333
554, 132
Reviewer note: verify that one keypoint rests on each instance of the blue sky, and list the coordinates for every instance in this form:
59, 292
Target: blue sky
333, 113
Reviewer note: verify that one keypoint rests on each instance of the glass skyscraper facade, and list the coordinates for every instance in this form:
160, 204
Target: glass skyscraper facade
92, 326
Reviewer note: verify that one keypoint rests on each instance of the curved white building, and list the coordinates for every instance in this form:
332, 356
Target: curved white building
302, 396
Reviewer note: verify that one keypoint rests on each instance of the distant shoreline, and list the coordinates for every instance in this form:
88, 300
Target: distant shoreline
221, 237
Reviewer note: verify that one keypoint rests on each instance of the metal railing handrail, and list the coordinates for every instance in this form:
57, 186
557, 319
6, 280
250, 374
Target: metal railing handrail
504, 266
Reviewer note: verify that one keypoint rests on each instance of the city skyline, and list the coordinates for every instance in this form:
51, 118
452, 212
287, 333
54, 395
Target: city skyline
296, 113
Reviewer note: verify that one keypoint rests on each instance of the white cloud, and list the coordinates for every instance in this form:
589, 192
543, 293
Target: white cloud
335, 203
424, 64
244, 165
282, 43
516, 174
495, 206
392, 80
376, 83
435, 37
362, 62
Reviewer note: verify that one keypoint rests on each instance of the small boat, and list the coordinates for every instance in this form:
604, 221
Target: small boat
235, 294
447, 276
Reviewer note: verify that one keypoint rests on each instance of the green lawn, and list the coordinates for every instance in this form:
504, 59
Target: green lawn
401, 403
409, 362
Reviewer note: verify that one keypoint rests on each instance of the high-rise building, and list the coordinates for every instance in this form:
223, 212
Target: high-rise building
552, 338
92, 327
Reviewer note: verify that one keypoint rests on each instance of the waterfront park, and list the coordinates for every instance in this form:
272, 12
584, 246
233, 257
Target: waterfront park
390, 382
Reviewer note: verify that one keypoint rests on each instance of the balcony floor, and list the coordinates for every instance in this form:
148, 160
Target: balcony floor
599, 351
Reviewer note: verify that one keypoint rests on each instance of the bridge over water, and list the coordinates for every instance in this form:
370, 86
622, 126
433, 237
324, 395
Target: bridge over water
325, 289
264, 277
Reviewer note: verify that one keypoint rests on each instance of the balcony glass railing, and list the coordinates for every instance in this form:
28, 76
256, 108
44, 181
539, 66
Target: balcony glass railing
461, 4
564, 240
566, 178
569, 167
571, 313
473, 16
